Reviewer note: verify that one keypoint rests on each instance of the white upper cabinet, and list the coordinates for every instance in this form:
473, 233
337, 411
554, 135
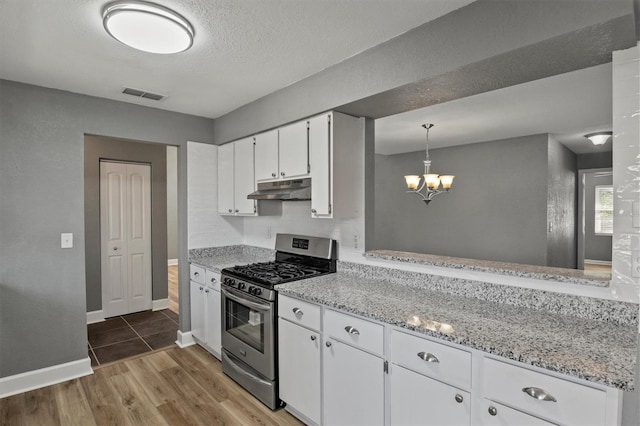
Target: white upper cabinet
236, 178
336, 159
226, 203
293, 150
267, 166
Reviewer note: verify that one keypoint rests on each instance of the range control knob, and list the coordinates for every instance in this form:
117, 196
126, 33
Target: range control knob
257, 291
241, 285
250, 289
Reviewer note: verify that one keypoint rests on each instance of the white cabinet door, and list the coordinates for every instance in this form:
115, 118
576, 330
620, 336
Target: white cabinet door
353, 390
293, 151
225, 179
212, 320
197, 311
244, 177
493, 414
419, 400
320, 163
267, 156
299, 368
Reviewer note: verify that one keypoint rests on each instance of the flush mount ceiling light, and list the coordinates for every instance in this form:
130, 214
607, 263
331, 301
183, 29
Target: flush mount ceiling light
431, 182
599, 138
147, 26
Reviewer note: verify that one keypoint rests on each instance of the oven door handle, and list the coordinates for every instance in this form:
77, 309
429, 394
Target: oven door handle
230, 294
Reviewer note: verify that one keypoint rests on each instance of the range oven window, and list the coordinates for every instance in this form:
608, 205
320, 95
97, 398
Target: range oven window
245, 324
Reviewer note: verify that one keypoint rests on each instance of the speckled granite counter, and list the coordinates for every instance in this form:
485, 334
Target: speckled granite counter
572, 276
218, 258
601, 352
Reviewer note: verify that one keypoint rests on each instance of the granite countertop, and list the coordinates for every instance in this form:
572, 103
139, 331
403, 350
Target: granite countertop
218, 258
573, 276
596, 351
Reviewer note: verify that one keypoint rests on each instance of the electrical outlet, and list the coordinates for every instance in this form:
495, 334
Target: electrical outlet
66, 240
356, 241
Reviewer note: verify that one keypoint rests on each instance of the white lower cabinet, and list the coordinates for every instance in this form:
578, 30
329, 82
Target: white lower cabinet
206, 313
353, 389
420, 400
334, 371
494, 414
299, 369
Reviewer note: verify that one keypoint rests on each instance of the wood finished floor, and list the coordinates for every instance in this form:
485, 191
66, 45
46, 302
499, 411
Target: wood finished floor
168, 387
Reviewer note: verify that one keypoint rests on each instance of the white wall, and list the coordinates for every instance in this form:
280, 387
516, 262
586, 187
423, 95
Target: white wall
206, 227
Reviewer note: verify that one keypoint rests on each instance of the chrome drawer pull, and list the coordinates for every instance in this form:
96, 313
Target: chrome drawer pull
195, 274
459, 398
327, 344
313, 338
297, 312
351, 330
539, 394
492, 410
429, 357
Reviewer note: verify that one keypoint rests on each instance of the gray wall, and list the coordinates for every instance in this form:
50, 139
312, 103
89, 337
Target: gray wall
43, 300
172, 202
561, 206
597, 160
95, 149
497, 209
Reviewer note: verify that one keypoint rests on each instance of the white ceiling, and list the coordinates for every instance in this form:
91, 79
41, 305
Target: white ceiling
568, 106
243, 49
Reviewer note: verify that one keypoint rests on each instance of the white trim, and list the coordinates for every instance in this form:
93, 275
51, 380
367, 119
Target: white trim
597, 262
172, 262
185, 339
95, 316
160, 304
42, 377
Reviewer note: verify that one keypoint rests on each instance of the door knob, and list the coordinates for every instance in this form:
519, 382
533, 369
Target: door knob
328, 344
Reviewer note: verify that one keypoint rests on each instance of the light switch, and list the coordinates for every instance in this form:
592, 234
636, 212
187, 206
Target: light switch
66, 240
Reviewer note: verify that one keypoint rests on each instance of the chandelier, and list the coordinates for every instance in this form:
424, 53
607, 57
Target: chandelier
432, 181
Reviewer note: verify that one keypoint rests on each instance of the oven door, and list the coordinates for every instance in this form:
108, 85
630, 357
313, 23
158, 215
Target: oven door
248, 330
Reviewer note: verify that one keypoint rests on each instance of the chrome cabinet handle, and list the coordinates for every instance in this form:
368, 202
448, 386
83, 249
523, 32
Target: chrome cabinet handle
314, 211
237, 210
459, 398
206, 291
327, 344
213, 280
201, 288
429, 357
195, 274
297, 312
281, 173
115, 248
313, 338
492, 410
351, 330
539, 394
230, 210
273, 175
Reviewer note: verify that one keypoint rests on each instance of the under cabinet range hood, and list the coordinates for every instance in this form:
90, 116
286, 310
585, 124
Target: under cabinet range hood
286, 190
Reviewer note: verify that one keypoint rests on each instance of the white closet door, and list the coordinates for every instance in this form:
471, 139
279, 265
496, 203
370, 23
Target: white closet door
125, 222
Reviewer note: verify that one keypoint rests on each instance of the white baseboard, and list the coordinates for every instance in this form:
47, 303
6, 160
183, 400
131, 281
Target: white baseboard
95, 316
185, 339
48, 376
597, 262
160, 304
172, 262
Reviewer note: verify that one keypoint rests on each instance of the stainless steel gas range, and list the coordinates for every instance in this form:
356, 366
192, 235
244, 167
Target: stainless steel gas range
250, 311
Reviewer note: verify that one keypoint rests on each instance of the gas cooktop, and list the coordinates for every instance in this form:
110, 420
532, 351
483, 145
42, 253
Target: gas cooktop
272, 273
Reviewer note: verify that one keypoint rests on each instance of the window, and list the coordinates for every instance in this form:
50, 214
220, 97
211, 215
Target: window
604, 210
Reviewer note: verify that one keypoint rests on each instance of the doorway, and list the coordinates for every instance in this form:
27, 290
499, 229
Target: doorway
125, 235
595, 219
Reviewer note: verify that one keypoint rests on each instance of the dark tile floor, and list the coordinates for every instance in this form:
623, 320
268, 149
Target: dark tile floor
129, 335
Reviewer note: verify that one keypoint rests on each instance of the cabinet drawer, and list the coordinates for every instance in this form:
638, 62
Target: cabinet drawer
355, 331
212, 279
574, 404
299, 312
494, 414
197, 274
444, 363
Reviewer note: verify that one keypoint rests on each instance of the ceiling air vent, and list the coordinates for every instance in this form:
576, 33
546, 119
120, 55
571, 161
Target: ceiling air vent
142, 94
